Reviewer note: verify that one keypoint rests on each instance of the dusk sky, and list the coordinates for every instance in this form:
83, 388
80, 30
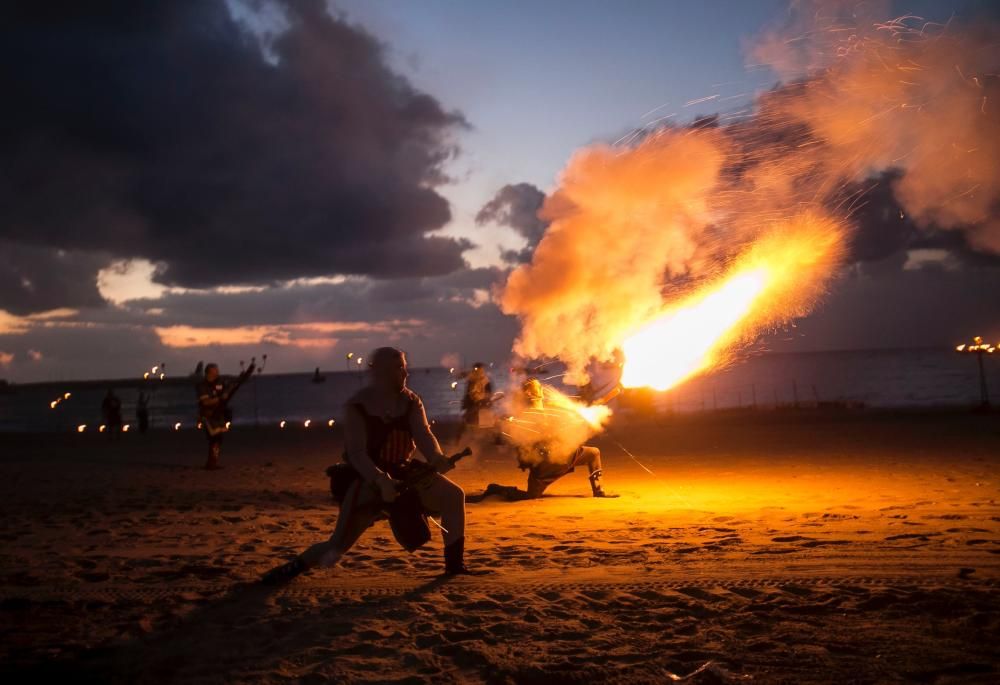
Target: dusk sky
186, 182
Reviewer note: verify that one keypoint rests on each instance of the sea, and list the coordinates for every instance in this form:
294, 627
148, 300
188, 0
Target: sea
882, 379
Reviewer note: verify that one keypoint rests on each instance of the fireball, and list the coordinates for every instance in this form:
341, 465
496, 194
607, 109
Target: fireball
777, 279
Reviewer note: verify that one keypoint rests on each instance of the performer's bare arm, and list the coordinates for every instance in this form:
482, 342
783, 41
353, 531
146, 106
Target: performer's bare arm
425, 440
356, 444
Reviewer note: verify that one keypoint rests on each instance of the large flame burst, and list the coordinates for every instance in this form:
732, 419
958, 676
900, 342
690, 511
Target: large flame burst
777, 279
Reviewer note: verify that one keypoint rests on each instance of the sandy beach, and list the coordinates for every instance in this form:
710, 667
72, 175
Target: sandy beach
792, 547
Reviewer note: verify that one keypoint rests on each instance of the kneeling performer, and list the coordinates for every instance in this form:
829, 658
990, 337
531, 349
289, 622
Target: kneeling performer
385, 422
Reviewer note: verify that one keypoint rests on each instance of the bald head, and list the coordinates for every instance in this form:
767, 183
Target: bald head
388, 365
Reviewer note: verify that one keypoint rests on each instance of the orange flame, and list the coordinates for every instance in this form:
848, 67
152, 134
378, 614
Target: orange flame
682, 342
776, 280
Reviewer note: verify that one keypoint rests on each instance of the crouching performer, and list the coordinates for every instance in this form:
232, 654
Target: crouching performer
548, 443
543, 467
385, 422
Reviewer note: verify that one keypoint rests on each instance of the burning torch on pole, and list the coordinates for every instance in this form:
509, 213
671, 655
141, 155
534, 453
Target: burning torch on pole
980, 349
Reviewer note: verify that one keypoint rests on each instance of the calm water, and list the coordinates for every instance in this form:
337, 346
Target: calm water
880, 379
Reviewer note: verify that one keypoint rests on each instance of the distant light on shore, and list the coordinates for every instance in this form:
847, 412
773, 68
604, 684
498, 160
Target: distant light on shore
82, 427
306, 423
282, 423
126, 427
330, 423
101, 428
177, 426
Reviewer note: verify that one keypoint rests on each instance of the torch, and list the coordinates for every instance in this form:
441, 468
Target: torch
979, 348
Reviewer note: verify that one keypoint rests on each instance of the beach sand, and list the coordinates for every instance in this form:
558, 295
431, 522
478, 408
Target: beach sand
795, 547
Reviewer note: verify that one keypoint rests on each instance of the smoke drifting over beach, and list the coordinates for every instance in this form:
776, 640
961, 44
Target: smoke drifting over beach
638, 230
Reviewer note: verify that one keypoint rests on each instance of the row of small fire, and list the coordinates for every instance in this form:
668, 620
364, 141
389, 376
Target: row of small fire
978, 346
283, 424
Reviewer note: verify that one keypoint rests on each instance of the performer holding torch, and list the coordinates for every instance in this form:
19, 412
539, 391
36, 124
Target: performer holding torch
213, 411
385, 423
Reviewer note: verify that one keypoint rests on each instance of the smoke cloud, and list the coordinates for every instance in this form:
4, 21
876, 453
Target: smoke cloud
634, 230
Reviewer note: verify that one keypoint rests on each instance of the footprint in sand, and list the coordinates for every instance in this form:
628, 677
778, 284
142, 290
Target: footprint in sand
911, 536
948, 517
93, 577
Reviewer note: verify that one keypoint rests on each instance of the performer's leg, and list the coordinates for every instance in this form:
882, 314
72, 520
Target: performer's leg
213, 456
214, 450
446, 499
591, 456
361, 506
541, 476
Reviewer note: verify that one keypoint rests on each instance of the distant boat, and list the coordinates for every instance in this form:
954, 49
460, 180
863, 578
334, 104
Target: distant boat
318, 377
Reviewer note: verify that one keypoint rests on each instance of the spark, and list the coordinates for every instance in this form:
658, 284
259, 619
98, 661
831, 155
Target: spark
641, 465
701, 100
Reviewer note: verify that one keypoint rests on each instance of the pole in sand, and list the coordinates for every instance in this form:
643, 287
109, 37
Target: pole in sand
980, 349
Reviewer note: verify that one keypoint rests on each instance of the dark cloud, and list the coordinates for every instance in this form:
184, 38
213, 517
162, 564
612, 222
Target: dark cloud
884, 231
902, 309
516, 206
445, 299
36, 279
436, 315
164, 130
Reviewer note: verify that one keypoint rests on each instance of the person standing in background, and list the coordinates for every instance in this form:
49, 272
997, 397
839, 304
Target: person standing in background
142, 411
111, 409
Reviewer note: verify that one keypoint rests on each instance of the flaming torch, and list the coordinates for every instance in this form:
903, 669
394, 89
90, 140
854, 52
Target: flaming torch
980, 349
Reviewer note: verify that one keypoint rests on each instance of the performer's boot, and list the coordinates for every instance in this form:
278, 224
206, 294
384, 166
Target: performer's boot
454, 560
595, 485
285, 573
214, 450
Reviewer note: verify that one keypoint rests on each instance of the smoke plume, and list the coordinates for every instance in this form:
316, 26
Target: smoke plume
636, 230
